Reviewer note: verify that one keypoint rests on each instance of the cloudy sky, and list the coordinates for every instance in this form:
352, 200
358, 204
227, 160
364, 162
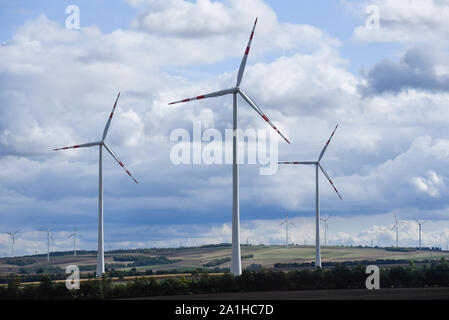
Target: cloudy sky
310, 67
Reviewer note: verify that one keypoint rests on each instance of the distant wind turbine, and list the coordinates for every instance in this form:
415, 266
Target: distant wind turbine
236, 263
74, 235
101, 144
396, 227
49, 236
287, 224
420, 223
317, 196
13, 239
326, 228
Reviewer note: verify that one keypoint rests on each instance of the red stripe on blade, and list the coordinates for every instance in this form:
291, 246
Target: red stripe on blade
265, 117
247, 51
200, 97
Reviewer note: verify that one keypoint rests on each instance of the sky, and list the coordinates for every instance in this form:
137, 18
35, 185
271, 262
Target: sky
312, 65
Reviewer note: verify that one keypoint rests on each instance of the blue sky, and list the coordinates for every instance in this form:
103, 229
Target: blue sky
311, 65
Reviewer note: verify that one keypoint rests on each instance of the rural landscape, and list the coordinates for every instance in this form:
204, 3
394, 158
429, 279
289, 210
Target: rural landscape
165, 273
269, 150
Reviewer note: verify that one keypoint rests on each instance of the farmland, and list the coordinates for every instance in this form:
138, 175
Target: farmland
188, 259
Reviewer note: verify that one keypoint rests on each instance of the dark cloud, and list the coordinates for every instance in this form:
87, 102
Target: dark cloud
417, 69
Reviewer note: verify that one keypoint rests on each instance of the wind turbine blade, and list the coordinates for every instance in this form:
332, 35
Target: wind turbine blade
79, 146
245, 56
106, 128
327, 143
259, 111
297, 162
119, 162
330, 180
209, 95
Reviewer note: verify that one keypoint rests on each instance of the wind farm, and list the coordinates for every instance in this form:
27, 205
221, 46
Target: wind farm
209, 180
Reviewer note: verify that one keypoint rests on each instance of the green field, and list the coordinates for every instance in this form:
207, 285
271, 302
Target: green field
192, 258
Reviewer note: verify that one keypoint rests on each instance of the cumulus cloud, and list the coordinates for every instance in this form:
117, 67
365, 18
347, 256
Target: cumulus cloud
419, 68
404, 21
429, 185
357, 230
58, 86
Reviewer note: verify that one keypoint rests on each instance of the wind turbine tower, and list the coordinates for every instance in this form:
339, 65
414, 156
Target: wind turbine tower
236, 263
13, 239
49, 236
74, 235
420, 223
326, 228
287, 223
396, 227
317, 196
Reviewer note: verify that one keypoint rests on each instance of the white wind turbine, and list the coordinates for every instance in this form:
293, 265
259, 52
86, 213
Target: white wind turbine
101, 144
74, 235
396, 227
287, 224
420, 223
236, 265
326, 228
13, 239
317, 196
49, 236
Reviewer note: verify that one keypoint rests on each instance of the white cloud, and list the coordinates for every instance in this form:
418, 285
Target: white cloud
429, 185
404, 21
58, 86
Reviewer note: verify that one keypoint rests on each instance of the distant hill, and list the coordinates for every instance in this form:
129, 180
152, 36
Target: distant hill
214, 256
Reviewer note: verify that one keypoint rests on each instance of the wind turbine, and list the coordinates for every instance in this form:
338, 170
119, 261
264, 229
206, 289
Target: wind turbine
236, 264
101, 144
317, 196
286, 229
326, 227
13, 239
49, 235
74, 235
396, 227
420, 223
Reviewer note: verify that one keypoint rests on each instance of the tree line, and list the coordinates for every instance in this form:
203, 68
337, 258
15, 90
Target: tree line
339, 277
